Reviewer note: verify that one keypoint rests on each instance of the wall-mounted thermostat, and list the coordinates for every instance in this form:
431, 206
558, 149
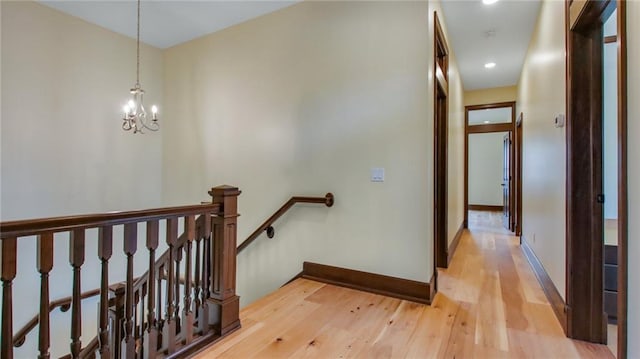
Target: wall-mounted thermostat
559, 121
377, 175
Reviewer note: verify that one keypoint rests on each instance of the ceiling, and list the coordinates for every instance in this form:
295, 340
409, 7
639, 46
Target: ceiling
477, 33
167, 23
498, 33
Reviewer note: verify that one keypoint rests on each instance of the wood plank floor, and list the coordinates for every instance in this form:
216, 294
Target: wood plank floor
489, 306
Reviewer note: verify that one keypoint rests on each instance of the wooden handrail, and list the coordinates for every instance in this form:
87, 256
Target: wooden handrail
327, 200
30, 227
63, 303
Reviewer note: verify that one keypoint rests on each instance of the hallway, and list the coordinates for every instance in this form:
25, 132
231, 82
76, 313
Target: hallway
489, 306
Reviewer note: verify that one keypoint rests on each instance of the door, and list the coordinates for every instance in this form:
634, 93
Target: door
506, 181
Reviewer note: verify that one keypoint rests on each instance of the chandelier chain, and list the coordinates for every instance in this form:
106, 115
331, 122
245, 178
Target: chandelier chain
138, 50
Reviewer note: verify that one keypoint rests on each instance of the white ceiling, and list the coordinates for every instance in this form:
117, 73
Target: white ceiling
511, 22
166, 23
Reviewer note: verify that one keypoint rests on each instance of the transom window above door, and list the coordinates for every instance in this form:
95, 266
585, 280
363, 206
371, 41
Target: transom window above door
490, 116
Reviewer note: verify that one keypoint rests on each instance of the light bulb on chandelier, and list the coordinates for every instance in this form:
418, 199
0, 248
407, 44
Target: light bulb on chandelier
135, 115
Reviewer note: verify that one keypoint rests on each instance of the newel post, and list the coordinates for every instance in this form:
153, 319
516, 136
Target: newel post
226, 306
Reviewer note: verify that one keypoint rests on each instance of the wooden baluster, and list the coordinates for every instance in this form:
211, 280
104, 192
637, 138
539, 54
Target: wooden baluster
129, 247
45, 264
169, 328
140, 332
105, 250
196, 289
227, 303
76, 258
116, 314
203, 315
159, 320
7, 276
176, 292
152, 329
137, 322
187, 312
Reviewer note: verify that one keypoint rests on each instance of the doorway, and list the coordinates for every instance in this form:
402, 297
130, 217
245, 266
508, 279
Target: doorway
506, 181
490, 180
586, 312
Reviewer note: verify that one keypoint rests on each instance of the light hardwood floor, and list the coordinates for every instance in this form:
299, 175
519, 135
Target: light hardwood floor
489, 306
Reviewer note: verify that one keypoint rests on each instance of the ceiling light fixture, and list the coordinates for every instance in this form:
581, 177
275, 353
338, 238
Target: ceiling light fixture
490, 65
135, 116
489, 2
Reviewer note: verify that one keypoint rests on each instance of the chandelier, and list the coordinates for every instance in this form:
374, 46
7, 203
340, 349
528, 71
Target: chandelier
135, 115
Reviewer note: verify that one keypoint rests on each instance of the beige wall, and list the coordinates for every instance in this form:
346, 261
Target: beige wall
633, 163
541, 97
492, 95
304, 101
455, 205
64, 82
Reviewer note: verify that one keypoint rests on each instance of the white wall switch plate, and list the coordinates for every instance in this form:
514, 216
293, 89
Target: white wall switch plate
377, 175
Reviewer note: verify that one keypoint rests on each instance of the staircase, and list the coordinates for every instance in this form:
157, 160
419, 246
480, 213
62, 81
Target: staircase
183, 302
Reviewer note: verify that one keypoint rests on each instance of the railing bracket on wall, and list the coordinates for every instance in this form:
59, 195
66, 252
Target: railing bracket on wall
270, 231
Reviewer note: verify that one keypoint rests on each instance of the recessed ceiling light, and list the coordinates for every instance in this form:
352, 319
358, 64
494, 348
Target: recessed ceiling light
489, 2
490, 65
487, 121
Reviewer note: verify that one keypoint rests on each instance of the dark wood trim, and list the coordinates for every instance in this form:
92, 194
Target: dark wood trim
30, 227
487, 106
327, 200
454, 243
369, 282
441, 80
518, 173
586, 318
503, 127
485, 207
574, 11
494, 127
433, 287
440, 142
610, 39
465, 218
623, 219
553, 295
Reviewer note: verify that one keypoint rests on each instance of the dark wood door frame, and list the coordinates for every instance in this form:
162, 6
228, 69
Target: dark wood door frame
441, 89
518, 173
586, 319
498, 127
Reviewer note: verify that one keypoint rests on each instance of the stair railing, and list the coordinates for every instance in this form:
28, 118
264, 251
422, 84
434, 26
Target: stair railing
124, 330
267, 226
